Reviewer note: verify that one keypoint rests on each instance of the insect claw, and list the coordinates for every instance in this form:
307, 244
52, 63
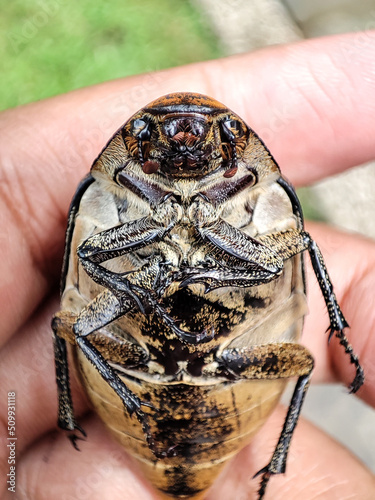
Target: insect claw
263, 484
358, 380
82, 431
73, 438
331, 331
264, 470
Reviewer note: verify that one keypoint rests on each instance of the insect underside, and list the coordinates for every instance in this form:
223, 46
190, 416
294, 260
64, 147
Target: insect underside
183, 294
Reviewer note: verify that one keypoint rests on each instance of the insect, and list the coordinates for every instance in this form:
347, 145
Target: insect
183, 293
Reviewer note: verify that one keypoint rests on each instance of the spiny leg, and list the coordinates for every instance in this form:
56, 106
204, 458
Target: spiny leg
269, 362
337, 319
265, 250
67, 326
131, 402
277, 464
289, 243
128, 285
66, 418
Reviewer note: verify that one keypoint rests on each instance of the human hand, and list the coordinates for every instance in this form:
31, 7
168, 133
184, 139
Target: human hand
312, 103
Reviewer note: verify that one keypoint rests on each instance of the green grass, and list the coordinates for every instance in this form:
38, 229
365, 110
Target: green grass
52, 46
48, 47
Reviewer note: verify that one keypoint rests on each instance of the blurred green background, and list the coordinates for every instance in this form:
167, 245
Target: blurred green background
52, 46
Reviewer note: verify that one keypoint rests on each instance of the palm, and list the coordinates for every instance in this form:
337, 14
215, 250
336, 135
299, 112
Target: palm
48, 146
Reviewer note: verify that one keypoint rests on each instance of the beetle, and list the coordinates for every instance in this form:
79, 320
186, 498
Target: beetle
183, 293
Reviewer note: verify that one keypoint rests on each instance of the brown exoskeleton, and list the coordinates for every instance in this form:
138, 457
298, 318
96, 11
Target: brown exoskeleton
183, 293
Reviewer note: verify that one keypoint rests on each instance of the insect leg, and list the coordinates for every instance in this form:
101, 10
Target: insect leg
264, 252
336, 317
291, 242
123, 239
99, 312
268, 361
130, 401
236, 243
131, 235
66, 419
275, 361
278, 461
66, 326
247, 265
217, 277
131, 286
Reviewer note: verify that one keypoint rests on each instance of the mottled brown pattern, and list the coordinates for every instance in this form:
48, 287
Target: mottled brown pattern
183, 293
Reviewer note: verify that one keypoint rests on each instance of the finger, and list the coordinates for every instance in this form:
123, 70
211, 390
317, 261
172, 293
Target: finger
350, 260
317, 467
315, 113
312, 102
102, 470
31, 368
27, 369
26, 362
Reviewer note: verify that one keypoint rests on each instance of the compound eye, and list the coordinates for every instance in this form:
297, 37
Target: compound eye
142, 129
233, 129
